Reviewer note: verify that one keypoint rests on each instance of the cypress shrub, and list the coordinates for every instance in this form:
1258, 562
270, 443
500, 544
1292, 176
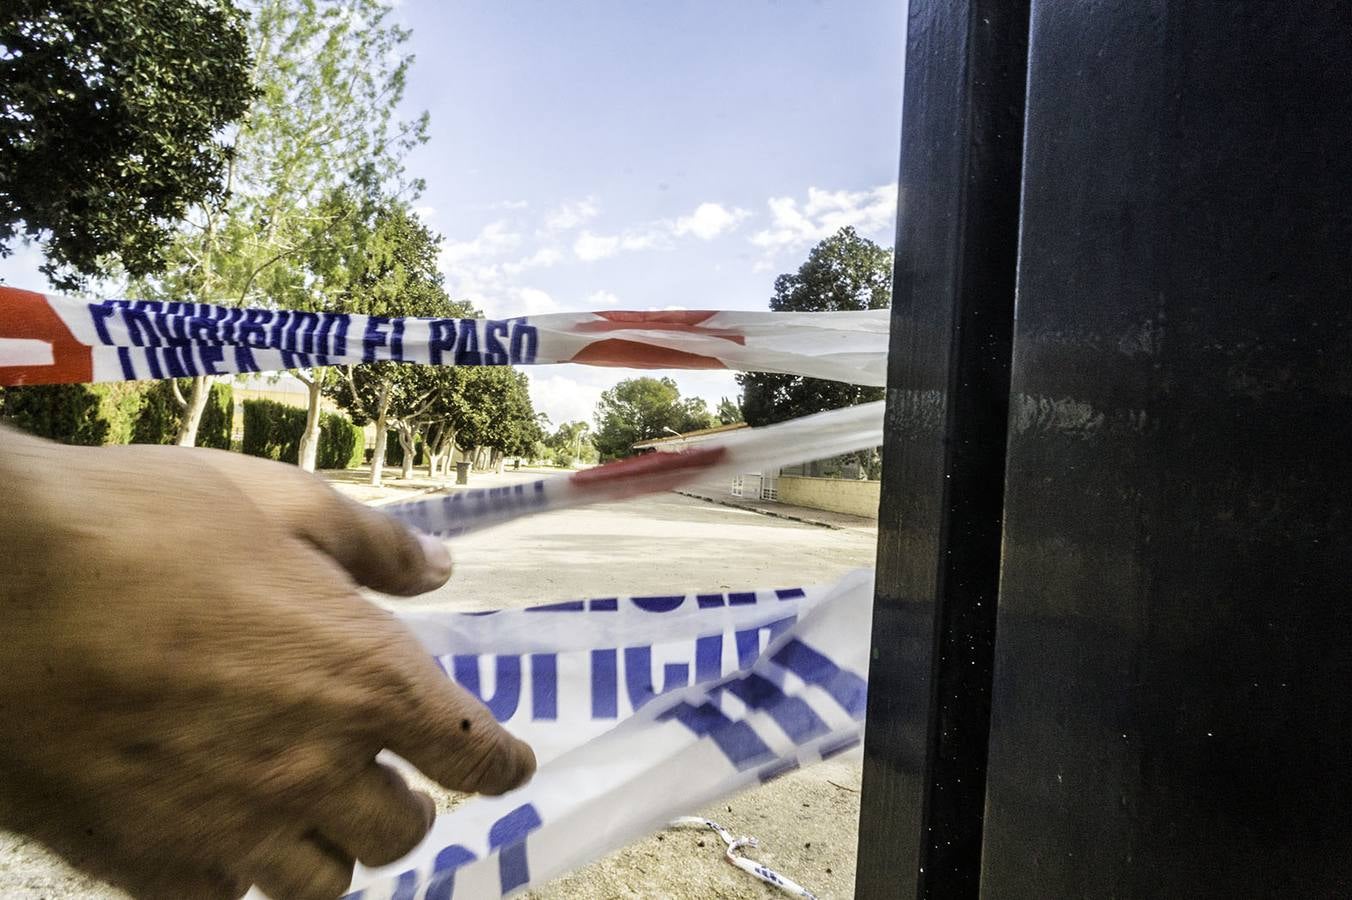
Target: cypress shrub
340, 443
273, 430
85, 414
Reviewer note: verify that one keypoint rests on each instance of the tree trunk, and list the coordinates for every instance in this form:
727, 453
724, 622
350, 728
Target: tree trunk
382, 435
408, 441
309, 439
192, 410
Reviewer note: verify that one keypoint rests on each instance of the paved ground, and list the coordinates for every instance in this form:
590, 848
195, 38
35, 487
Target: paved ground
806, 822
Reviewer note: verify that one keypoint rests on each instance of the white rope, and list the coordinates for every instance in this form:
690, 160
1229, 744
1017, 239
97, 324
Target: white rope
764, 873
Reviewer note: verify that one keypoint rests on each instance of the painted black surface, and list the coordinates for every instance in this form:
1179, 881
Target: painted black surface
1172, 714
948, 389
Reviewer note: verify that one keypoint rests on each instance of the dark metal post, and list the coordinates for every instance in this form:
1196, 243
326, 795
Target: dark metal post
943, 460
1172, 712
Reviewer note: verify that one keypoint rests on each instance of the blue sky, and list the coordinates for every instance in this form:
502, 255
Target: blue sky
593, 154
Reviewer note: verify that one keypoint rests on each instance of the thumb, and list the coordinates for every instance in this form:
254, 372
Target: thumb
376, 550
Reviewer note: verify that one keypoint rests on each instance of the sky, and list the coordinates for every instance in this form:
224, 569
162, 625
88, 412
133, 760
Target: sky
618, 154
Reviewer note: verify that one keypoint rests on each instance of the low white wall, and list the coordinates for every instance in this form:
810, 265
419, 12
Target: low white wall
856, 498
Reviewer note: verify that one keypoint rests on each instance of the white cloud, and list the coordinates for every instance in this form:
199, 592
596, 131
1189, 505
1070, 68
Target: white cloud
492, 240
590, 247
871, 212
425, 213
570, 215
540, 259
709, 220
563, 398
533, 302
602, 300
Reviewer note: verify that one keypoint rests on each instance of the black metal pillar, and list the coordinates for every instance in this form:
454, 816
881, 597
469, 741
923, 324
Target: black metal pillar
943, 459
1172, 711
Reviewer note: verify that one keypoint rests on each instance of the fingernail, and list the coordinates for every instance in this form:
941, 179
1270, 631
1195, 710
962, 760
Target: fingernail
438, 557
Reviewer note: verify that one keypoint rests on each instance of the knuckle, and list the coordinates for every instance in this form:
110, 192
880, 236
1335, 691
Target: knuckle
299, 775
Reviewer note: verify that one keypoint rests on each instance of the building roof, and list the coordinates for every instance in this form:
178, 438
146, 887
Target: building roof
687, 435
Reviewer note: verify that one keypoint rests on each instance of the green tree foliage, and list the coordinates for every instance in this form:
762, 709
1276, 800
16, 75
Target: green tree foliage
571, 442
843, 272
110, 117
501, 415
161, 416
729, 412
639, 409
387, 265
330, 76
85, 414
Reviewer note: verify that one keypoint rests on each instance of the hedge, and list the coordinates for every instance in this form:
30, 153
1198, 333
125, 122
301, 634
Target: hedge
342, 445
273, 430
87, 414
161, 417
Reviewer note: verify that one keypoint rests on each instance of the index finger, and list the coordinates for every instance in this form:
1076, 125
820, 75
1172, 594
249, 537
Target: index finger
450, 736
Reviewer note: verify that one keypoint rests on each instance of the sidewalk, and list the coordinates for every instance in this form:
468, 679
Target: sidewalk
825, 518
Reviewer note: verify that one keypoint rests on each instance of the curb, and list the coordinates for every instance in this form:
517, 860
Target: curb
732, 504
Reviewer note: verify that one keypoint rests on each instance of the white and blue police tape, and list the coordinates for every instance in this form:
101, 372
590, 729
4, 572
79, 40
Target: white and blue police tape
818, 436
624, 697
50, 339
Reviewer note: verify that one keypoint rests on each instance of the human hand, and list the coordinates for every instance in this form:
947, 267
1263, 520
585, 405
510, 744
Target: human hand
194, 692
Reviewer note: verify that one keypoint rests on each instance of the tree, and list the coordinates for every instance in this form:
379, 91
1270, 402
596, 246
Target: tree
729, 412
329, 80
639, 409
570, 443
501, 418
372, 257
388, 266
843, 272
110, 116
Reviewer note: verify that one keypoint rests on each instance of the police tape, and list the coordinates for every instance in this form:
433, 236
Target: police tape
50, 339
623, 698
818, 436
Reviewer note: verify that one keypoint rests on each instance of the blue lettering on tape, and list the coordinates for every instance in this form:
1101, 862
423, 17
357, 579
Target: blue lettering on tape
638, 675
709, 658
509, 833
441, 886
605, 689
467, 344
442, 340
658, 604
544, 686
792, 714
507, 687
525, 340
736, 739
495, 354
846, 688
373, 337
